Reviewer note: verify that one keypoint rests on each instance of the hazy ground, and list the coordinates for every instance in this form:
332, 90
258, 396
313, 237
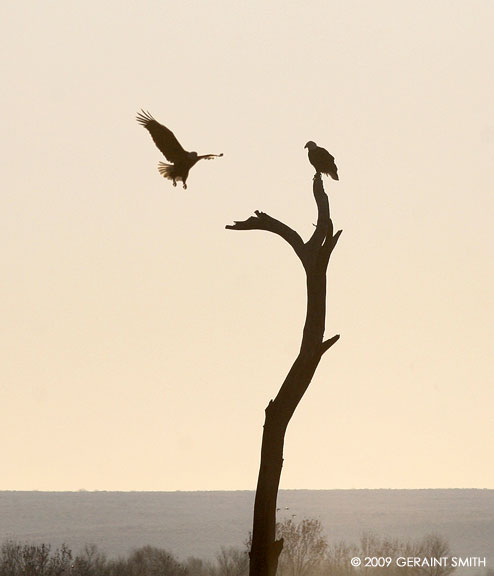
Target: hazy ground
199, 523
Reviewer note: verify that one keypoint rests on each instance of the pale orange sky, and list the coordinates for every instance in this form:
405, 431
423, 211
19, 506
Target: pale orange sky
142, 341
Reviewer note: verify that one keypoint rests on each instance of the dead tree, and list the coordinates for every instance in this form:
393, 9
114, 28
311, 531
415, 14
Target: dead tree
314, 255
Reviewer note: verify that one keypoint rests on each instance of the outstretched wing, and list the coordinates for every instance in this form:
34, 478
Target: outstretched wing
163, 137
209, 156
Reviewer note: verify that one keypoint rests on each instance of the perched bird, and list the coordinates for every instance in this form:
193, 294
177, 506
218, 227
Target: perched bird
322, 160
181, 160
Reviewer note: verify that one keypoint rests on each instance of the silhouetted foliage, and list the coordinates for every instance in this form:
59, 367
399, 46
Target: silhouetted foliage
433, 546
198, 567
304, 547
338, 558
306, 552
34, 560
232, 562
151, 561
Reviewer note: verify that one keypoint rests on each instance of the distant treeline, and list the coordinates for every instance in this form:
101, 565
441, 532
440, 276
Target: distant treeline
306, 552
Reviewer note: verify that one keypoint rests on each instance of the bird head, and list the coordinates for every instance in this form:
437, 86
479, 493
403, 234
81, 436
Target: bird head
193, 155
310, 145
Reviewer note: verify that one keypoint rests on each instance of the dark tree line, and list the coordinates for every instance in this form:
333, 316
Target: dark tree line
306, 552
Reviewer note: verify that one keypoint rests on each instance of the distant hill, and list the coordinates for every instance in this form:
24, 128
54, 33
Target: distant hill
199, 523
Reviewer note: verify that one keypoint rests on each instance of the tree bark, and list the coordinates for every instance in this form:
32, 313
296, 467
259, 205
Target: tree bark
314, 255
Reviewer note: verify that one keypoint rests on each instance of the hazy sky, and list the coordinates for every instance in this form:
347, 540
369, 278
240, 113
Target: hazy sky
141, 341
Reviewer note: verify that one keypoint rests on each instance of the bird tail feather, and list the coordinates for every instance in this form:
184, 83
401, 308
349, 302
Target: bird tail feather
333, 174
168, 171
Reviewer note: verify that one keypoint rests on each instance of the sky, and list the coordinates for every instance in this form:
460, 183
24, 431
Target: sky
141, 340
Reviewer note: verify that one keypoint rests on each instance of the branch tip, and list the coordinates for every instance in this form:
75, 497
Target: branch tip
326, 345
278, 546
262, 221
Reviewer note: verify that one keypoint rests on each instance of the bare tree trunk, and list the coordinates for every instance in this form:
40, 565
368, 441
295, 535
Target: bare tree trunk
314, 255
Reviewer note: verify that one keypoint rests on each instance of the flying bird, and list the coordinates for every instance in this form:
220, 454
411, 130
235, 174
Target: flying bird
181, 160
322, 160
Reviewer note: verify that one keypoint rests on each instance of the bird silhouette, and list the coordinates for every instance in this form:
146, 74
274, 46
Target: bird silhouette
322, 160
181, 160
